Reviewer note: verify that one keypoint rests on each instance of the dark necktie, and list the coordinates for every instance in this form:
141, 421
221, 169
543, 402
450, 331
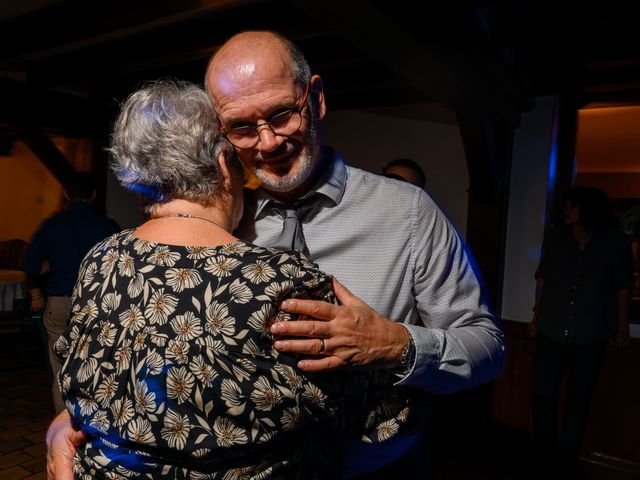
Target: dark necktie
292, 236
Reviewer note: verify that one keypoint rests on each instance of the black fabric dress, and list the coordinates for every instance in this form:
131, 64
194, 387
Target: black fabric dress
170, 367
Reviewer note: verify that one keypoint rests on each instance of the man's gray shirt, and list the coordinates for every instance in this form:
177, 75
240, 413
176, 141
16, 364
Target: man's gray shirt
389, 243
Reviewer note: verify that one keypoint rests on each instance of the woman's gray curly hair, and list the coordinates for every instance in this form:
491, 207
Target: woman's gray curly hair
166, 144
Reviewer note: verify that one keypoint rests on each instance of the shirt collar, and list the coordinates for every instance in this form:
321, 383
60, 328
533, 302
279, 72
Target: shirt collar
332, 182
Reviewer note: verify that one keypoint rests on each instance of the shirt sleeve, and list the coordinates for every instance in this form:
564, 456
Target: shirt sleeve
623, 275
36, 254
460, 345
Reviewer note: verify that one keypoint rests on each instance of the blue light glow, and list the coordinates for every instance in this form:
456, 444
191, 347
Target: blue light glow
553, 162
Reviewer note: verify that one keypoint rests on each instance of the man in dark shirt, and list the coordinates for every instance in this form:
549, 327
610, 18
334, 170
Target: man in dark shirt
582, 295
61, 242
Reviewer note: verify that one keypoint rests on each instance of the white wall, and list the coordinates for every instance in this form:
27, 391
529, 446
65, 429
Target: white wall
527, 204
370, 140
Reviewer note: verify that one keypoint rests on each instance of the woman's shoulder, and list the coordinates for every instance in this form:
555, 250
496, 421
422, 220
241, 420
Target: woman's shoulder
275, 256
291, 269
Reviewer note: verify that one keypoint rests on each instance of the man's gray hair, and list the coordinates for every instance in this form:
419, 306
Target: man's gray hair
166, 144
299, 65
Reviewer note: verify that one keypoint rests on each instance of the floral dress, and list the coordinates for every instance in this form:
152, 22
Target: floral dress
171, 371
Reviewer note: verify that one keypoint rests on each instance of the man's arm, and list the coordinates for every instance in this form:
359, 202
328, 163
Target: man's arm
622, 338
36, 254
461, 345
354, 334
37, 299
623, 283
35, 264
62, 443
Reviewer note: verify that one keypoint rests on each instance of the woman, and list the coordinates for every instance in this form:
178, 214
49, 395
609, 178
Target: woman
170, 367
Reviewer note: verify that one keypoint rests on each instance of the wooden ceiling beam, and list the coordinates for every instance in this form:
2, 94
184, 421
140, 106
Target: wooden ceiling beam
453, 76
170, 48
55, 111
101, 23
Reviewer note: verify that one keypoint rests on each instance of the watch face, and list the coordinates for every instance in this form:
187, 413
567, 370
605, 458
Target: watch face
408, 356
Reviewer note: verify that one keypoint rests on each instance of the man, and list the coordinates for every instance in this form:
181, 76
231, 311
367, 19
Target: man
582, 304
386, 241
406, 170
62, 241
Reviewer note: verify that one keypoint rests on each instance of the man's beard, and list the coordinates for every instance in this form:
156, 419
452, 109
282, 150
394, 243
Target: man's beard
302, 168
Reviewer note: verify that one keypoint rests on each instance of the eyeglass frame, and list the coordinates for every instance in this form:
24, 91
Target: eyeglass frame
299, 109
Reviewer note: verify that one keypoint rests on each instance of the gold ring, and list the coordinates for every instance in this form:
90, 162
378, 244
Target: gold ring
321, 344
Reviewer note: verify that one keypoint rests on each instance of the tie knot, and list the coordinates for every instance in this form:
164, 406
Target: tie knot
290, 213
292, 236
296, 211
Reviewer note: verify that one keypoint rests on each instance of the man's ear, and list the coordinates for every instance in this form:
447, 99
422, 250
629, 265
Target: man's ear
317, 92
226, 171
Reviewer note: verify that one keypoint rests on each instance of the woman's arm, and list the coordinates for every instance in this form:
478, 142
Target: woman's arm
63, 441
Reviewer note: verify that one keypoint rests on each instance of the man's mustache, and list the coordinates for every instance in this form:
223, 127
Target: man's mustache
286, 149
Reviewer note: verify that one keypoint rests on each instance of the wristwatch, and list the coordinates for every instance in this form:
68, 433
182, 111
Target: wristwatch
408, 357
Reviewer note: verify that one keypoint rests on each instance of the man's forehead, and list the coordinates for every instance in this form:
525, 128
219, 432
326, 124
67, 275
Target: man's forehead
247, 60
237, 96
246, 75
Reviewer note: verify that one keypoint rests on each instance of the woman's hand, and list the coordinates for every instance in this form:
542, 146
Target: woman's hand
62, 443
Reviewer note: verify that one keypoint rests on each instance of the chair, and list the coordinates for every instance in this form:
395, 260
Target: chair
12, 253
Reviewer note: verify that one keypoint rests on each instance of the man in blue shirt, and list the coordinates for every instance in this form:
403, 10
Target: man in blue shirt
61, 242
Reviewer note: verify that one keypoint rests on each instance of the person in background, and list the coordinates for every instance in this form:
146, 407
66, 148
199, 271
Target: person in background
56, 249
405, 169
398, 255
582, 304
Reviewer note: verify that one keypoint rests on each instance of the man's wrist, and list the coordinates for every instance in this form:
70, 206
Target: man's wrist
407, 357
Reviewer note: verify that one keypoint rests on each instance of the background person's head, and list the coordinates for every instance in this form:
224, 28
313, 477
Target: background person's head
166, 145
589, 207
254, 77
407, 170
81, 187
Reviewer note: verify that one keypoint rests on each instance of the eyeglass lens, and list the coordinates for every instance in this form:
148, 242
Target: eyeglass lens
284, 123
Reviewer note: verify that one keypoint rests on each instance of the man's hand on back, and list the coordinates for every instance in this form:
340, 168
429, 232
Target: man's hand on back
353, 335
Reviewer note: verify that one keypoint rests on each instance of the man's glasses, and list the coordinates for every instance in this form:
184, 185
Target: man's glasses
283, 123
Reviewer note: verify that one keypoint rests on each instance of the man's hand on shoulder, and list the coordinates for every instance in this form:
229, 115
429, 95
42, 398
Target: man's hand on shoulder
62, 443
351, 335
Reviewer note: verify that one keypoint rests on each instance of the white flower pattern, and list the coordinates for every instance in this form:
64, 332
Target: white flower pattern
160, 307
176, 429
180, 382
187, 326
258, 272
180, 278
